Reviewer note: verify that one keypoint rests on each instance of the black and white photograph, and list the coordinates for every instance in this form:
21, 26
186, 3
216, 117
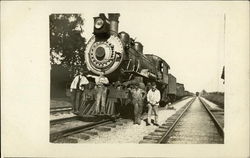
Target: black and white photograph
119, 82
125, 78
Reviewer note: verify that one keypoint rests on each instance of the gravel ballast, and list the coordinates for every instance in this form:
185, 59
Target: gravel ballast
133, 133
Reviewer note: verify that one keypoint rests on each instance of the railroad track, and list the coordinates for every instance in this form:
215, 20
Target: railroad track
80, 131
62, 120
60, 109
217, 113
194, 123
215, 116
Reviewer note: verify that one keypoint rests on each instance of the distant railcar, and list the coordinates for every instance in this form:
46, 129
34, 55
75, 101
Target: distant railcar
172, 87
179, 90
197, 93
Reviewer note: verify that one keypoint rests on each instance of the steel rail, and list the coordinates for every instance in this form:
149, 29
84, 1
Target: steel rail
67, 132
60, 109
164, 137
61, 120
216, 122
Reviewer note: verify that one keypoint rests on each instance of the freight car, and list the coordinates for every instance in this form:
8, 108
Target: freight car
179, 90
187, 93
172, 90
122, 60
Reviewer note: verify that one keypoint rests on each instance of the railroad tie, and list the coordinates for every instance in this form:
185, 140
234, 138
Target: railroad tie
81, 136
152, 137
174, 116
119, 123
169, 121
91, 132
167, 124
103, 128
67, 140
148, 141
164, 127
124, 121
111, 125
156, 133
161, 130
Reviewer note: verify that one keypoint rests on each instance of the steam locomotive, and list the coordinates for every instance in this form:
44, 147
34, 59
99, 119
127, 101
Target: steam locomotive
122, 59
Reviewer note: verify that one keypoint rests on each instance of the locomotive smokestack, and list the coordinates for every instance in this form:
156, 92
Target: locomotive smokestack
113, 18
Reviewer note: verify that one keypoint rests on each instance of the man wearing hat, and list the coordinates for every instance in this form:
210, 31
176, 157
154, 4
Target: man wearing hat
153, 98
77, 87
101, 96
138, 96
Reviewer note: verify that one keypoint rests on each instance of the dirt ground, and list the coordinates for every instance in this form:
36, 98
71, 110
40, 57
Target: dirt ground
60, 102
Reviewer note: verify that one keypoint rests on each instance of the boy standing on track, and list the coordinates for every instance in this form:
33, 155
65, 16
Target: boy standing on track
153, 98
77, 87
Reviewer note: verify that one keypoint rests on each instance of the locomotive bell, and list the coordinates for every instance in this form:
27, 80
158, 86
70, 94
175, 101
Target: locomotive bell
124, 37
138, 47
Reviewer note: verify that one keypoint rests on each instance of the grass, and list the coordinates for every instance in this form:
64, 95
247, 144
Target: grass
216, 98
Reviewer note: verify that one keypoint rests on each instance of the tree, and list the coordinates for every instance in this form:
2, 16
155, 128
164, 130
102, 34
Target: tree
203, 93
66, 43
66, 50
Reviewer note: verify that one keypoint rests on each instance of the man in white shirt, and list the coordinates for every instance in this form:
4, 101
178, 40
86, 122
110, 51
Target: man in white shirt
101, 96
153, 98
77, 87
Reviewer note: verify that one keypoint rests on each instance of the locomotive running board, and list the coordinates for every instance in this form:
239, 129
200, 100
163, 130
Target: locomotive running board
137, 73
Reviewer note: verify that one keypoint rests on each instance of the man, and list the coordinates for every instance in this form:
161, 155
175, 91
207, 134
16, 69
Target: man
101, 96
153, 98
138, 96
77, 87
148, 87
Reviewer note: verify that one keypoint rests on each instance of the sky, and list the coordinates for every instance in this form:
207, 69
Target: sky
190, 37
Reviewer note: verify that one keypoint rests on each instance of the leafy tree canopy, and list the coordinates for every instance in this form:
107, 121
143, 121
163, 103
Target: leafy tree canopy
66, 43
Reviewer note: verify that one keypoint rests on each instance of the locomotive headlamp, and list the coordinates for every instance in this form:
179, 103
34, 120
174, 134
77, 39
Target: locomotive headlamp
99, 23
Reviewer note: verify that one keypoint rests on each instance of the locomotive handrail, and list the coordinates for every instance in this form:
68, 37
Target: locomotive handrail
134, 72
